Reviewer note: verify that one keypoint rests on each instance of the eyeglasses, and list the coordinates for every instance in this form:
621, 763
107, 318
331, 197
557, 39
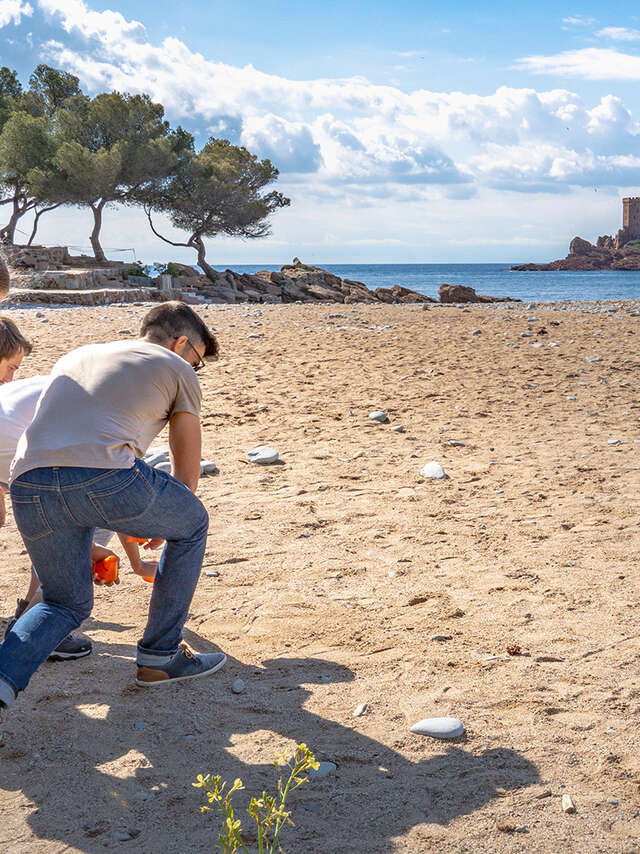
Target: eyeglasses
200, 363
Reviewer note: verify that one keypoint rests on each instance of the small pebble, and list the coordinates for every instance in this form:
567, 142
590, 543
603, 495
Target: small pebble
456, 444
613, 441
359, 710
237, 686
379, 416
212, 573
439, 727
398, 428
613, 801
121, 837
440, 637
263, 454
476, 331
434, 471
323, 770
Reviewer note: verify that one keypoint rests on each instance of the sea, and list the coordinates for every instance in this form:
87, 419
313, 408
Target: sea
494, 279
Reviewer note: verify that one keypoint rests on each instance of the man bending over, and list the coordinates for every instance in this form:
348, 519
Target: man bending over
76, 469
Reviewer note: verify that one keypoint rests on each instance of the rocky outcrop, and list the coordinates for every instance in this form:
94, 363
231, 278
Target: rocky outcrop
296, 282
462, 293
605, 255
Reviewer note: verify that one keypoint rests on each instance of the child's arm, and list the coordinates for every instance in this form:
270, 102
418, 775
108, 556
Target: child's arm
145, 568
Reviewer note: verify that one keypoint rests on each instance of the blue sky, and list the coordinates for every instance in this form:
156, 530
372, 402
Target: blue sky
404, 131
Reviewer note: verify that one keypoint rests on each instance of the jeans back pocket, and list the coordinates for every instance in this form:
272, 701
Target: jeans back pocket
31, 518
127, 497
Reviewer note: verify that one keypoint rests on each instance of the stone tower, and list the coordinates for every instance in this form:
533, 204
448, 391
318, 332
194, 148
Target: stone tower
631, 217
630, 222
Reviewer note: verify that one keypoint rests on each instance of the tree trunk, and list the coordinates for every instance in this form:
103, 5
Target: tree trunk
98, 254
209, 272
7, 234
36, 220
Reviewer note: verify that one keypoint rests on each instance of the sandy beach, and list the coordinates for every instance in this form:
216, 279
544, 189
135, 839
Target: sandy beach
336, 569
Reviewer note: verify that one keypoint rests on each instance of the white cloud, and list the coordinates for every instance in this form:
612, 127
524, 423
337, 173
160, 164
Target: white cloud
12, 11
350, 136
590, 63
579, 21
619, 34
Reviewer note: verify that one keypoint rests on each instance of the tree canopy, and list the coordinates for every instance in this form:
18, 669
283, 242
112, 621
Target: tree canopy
59, 146
217, 191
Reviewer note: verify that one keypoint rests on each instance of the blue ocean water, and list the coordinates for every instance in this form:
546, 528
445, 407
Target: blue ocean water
494, 279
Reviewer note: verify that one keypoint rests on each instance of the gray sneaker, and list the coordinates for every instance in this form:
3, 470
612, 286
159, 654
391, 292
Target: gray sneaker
185, 664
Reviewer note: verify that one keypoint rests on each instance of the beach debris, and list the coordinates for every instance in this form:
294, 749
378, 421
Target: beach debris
567, 804
443, 728
238, 686
263, 454
379, 416
510, 827
212, 573
476, 331
434, 471
323, 770
514, 649
359, 710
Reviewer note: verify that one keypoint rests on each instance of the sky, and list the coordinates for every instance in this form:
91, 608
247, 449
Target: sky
405, 131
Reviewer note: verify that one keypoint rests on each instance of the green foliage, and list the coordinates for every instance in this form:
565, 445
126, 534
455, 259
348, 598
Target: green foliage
217, 191
49, 88
268, 811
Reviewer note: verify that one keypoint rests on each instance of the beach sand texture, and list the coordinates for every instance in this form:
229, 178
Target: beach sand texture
338, 565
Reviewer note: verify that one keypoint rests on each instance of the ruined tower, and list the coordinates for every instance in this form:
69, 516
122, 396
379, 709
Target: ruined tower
630, 222
631, 216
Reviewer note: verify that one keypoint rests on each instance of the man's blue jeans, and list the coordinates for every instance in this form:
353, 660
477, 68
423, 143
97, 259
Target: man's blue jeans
56, 510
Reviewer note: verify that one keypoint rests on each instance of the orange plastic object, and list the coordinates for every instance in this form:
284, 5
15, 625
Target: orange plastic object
107, 569
145, 578
140, 540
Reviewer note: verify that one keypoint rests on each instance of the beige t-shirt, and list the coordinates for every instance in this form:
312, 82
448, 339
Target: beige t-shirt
104, 404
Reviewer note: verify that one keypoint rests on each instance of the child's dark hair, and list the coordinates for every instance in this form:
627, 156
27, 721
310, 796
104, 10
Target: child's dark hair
11, 339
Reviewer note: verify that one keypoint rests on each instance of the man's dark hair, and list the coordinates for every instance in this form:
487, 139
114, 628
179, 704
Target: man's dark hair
173, 319
11, 339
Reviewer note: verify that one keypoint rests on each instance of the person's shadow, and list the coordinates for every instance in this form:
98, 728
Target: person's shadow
112, 759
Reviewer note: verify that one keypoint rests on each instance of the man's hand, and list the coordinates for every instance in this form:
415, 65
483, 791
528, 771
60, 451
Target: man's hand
185, 448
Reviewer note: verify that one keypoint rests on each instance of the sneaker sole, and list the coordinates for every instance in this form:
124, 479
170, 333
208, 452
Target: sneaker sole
174, 679
68, 656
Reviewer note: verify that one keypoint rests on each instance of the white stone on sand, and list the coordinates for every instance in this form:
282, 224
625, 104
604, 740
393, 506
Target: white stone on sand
263, 454
433, 471
379, 415
439, 727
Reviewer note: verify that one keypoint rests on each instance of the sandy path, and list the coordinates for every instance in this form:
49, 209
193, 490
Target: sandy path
320, 560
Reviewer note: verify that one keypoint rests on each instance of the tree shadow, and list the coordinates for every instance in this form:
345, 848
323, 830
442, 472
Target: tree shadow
113, 758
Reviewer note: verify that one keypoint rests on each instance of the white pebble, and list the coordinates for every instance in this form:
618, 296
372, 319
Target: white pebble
439, 727
359, 710
263, 454
379, 416
323, 770
433, 470
238, 686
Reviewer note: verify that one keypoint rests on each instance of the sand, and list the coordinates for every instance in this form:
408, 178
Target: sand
336, 568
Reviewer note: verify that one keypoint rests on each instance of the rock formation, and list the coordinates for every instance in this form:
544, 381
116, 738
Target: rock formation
462, 293
585, 256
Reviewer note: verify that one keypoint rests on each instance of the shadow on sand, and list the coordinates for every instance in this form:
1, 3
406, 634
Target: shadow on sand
110, 758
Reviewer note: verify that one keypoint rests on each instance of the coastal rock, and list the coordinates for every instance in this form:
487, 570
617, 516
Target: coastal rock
578, 246
464, 294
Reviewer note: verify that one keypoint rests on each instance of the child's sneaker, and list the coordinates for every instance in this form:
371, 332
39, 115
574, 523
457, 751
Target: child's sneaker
20, 609
185, 664
70, 648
